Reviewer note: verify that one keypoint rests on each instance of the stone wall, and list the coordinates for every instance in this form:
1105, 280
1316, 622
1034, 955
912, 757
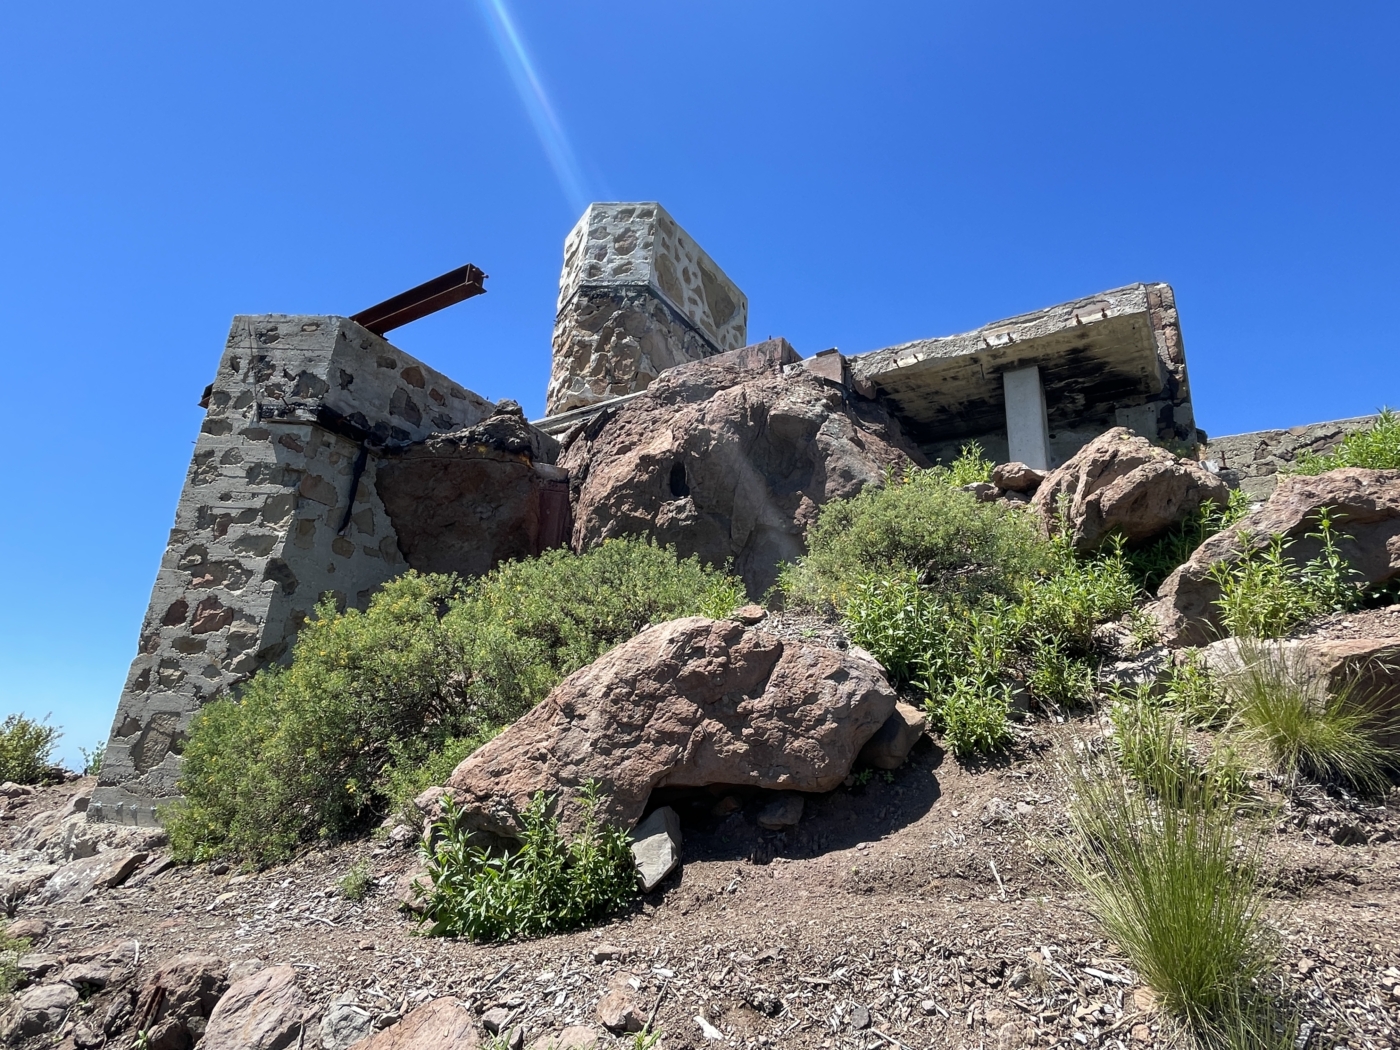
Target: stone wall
280, 506
1251, 462
637, 295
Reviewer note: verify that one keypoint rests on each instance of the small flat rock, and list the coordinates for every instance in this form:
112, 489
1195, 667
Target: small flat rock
41, 1009
76, 879
38, 965
575, 1037
860, 1018
1016, 477
656, 846
783, 812
261, 1012
31, 930
345, 1023
618, 1011
608, 953
708, 1030
982, 491
892, 742
496, 1018
412, 890
442, 1024
749, 614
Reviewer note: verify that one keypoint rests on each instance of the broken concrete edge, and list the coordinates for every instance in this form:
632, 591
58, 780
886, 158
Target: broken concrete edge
947, 391
1252, 462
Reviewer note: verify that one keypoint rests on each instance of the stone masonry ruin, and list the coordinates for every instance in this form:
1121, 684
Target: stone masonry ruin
330, 461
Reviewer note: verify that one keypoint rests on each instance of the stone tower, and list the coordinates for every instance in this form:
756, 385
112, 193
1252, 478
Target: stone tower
637, 295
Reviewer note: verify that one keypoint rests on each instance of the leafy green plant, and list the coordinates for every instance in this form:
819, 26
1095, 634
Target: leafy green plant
406, 776
1173, 879
11, 948
1265, 594
546, 886
916, 523
1069, 601
92, 759
974, 715
26, 750
1058, 678
971, 466
1155, 561
355, 883
1304, 729
1191, 689
375, 701
1376, 447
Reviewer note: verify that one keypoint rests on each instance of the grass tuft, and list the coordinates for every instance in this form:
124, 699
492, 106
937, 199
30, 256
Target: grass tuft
1285, 711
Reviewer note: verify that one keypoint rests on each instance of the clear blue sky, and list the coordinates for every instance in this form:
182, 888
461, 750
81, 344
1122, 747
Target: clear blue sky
867, 173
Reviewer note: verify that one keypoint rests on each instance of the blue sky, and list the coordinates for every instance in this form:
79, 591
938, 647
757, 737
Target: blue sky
867, 173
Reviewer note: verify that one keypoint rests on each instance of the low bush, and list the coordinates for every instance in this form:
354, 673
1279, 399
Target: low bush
1286, 713
546, 886
1265, 594
406, 776
1376, 447
11, 949
26, 750
1173, 879
1076, 595
373, 702
917, 523
355, 883
1155, 561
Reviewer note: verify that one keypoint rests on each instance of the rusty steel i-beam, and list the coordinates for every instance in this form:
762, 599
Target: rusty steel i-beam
429, 297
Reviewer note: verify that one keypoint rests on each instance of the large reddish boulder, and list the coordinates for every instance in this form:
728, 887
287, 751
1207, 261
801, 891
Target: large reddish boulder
1365, 510
1122, 484
688, 703
729, 458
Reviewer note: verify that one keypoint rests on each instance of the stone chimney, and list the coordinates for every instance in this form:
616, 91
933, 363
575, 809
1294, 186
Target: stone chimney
637, 295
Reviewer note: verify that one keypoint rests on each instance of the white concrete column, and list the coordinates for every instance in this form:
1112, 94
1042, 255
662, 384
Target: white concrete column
1027, 428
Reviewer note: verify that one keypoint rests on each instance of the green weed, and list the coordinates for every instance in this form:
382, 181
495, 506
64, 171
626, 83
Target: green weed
1265, 594
974, 717
355, 883
971, 467
11, 948
547, 886
1376, 447
1155, 561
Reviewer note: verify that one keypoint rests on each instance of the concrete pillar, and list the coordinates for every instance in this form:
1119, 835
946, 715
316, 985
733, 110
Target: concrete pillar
1027, 428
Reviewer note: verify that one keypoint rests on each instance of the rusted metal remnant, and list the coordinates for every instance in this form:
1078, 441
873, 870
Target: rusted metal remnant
429, 297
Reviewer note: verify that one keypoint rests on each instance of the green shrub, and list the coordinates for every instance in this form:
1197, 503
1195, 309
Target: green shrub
1286, 712
1077, 595
971, 466
974, 716
917, 523
355, 883
1058, 678
317, 749
1173, 879
408, 776
92, 758
1376, 447
26, 750
1155, 561
547, 886
1265, 594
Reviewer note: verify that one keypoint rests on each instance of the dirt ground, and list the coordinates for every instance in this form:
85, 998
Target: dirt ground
914, 911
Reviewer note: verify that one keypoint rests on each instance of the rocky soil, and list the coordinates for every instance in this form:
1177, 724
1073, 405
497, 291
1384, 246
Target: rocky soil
914, 910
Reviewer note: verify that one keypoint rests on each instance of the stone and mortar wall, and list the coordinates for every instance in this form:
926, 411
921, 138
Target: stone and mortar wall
1251, 462
637, 295
295, 415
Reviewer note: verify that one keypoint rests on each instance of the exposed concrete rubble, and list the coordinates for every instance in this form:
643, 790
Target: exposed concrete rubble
686, 704
729, 459
1120, 484
636, 296
1365, 508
